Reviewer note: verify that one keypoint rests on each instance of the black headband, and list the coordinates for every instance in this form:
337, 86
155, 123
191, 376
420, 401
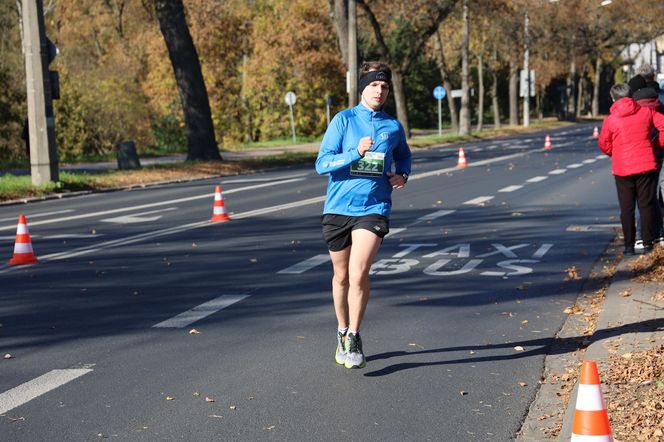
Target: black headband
372, 76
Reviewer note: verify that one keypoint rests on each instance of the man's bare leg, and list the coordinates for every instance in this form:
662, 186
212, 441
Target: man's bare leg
340, 285
362, 252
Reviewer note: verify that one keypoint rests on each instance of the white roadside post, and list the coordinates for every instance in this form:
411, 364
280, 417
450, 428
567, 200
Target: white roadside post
439, 93
290, 101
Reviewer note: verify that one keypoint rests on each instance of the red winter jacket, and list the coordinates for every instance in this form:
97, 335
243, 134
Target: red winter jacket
626, 137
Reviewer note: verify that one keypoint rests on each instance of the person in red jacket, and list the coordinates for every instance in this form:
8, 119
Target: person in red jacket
626, 138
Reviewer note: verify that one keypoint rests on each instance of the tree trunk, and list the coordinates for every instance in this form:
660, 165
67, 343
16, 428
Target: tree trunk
464, 114
571, 90
201, 142
514, 93
480, 91
444, 76
598, 73
339, 12
399, 86
494, 93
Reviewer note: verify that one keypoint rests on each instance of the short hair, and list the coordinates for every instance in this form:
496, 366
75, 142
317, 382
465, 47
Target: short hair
619, 90
368, 66
646, 71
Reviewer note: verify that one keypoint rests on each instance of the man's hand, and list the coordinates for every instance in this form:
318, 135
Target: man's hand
396, 181
364, 145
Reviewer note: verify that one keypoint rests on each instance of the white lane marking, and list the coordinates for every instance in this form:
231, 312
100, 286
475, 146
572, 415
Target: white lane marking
434, 215
201, 311
393, 232
601, 157
305, 265
557, 171
592, 227
137, 217
510, 188
589, 161
261, 180
157, 204
537, 179
575, 166
60, 236
539, 253
437, 172
479, 200
36, 215
163, 232
26, 392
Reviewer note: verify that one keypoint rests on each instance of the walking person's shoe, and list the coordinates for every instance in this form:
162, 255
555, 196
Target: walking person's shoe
354, 355
629, 251
638, 245
340, 354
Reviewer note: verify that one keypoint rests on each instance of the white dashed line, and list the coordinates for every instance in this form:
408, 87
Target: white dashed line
557, 171
199, 312
26, 392
479, 200
589, 161
575, 166
434, 215
305, 265
536, 179
510, 188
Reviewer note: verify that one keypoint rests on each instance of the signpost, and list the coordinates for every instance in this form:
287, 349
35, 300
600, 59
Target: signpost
290, 99
439, 93
328, 103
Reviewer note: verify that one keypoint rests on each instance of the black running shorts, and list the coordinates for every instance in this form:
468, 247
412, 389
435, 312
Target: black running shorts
337, 228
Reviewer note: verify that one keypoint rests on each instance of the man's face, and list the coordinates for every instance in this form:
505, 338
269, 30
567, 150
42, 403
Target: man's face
375, 94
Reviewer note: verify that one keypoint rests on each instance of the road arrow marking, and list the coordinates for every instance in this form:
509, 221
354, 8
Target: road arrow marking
137, 217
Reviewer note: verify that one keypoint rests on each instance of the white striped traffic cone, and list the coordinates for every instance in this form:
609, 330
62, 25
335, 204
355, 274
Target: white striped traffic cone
219, 210
591, 420
23, 253
462, 159
547, 142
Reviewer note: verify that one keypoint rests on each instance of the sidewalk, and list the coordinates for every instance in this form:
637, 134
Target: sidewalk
631, 320
146, 161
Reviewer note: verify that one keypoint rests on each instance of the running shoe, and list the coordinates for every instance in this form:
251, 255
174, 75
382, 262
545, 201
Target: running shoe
354, 356
638, 245
340, 354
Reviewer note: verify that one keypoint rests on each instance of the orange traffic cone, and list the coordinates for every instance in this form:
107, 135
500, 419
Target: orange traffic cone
23, 253
462, 159
591, 420
219, 210
595, 133
547, 142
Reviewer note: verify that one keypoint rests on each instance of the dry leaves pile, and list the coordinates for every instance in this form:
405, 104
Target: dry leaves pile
633, 386
649, 267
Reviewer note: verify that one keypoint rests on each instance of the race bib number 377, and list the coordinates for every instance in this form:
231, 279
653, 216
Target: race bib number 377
370, 165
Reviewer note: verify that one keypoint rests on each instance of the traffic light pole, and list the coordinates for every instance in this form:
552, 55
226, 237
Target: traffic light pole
41, 121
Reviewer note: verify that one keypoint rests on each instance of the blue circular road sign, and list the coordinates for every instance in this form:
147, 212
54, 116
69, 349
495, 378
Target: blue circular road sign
439, 92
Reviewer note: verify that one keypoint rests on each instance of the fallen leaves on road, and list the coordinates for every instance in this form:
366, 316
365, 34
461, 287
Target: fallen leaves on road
193, 331
170, 398
8, 356
463, 393
519, 348
572, 273
209, 399
522, 384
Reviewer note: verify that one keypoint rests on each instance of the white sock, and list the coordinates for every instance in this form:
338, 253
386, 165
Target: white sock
353, 331
343, 331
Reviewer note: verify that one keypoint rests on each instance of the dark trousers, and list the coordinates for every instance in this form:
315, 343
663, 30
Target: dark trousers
638, 188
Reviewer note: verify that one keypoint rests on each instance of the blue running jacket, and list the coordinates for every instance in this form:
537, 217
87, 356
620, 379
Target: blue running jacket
356, 194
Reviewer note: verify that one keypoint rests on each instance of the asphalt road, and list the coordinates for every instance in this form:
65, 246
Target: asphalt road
468, 291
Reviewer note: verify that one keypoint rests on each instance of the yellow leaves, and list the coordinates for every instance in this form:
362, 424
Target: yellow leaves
193, 331
572, 273
575, 309
519, 348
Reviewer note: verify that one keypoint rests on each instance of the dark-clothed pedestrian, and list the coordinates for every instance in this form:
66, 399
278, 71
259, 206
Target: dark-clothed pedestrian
626, 137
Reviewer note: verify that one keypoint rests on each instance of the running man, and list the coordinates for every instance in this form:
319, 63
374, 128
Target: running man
366, 154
